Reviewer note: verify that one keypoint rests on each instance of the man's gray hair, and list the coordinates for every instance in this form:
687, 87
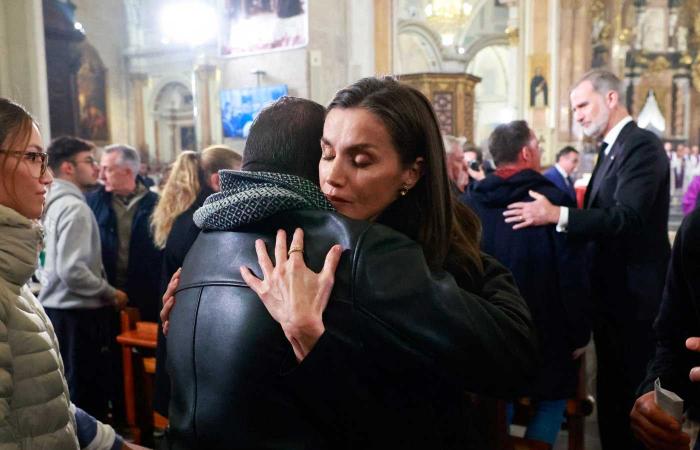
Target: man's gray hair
452, 144
129, 157
604, 81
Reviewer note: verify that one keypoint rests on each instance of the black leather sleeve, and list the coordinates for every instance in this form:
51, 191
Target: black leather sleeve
412, 319
639, 179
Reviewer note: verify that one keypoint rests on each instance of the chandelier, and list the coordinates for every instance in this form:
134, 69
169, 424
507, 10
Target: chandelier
448, 17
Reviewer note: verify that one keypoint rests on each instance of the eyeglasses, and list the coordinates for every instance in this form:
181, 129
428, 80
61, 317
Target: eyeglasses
37, 170
90, 161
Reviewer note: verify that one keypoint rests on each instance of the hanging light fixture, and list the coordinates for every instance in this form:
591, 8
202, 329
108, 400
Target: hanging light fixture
448, 17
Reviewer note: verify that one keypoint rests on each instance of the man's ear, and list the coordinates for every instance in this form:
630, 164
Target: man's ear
215, 182
66, 168
526, 153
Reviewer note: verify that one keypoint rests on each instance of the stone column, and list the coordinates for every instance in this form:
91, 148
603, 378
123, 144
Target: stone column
204, 79
23, 67
138, 85
515, 58
383, 37
681, 118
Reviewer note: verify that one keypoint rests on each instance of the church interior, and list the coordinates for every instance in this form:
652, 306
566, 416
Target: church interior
167, 76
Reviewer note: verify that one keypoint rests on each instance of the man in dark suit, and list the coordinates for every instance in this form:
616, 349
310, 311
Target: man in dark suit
560, 173
625, 215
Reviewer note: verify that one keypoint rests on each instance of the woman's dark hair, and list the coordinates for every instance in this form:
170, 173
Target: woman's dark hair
15, 134
429, 213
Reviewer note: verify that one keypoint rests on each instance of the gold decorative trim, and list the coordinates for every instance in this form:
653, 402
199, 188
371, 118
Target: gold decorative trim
695, 72
659, 64
513, 34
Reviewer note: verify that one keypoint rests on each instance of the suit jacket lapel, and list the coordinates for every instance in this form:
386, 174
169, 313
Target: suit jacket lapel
603, 168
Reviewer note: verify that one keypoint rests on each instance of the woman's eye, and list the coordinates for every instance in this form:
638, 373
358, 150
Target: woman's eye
327, 156
361, 161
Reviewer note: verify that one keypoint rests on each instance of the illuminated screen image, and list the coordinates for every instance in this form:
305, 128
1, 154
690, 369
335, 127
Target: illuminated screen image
239, 107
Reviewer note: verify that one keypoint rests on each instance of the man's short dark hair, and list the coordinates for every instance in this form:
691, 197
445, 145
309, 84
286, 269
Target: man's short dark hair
286, 138
565, 151
65, 148
507, 140
476, 150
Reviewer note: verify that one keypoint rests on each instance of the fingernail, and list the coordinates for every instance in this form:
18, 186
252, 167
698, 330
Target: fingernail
695, 372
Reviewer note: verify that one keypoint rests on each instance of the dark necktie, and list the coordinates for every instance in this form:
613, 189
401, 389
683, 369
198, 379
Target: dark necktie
600, 167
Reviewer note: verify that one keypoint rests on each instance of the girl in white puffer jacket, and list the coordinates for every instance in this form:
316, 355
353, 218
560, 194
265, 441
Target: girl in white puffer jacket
35, 409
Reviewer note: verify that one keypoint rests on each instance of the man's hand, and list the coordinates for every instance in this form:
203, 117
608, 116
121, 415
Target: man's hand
526, 214
120, 299
655, 428
693, 344
477, 175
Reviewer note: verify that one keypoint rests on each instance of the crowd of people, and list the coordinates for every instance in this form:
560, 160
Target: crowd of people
355, 280
685, 173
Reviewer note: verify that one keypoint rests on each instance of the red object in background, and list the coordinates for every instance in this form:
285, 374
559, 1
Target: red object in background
580, 193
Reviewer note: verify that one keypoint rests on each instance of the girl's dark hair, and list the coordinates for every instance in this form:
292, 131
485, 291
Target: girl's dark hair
429, 213
15, 134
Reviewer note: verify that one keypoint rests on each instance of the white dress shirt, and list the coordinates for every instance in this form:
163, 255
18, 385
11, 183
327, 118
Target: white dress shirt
609, 139
562, 172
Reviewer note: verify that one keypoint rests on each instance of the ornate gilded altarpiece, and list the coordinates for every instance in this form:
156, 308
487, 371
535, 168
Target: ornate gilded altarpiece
654, 45
452, 96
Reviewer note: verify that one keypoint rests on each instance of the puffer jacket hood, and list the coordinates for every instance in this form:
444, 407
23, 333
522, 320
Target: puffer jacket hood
21, 240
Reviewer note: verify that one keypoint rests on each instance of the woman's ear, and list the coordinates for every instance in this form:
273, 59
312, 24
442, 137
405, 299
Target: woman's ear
414, 172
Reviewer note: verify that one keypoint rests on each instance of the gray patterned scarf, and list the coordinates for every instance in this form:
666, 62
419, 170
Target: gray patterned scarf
249, 197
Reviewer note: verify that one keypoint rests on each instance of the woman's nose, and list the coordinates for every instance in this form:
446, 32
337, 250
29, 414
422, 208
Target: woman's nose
335, 174
47, 177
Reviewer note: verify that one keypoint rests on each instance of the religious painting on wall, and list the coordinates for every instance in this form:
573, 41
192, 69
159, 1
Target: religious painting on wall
239, 107
257, 26
538, 86
187, 138
92, 96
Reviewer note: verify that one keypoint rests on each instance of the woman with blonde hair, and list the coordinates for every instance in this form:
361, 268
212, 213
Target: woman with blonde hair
193, 178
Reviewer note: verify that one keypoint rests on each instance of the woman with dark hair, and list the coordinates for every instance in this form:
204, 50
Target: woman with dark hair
386, 362
35, 409
383, 161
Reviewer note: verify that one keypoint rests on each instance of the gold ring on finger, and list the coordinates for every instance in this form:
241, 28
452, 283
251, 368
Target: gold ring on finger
295, 248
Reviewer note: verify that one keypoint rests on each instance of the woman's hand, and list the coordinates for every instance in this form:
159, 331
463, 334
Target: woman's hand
294, 295
169, 300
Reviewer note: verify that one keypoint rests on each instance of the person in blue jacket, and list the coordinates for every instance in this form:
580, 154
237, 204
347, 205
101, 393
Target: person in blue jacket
549, 269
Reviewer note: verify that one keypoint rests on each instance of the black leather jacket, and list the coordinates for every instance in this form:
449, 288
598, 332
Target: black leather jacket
401, 345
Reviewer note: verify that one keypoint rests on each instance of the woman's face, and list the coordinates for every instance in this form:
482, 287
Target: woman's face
360, 170
25, 188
